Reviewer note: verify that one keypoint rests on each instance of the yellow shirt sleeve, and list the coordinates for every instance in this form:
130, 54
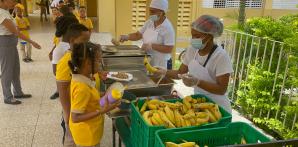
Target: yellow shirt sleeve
63, 72
80, 99
90, 24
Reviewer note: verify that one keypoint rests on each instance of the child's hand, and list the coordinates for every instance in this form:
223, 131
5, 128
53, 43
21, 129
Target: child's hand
36, 45
103, 75
108, 107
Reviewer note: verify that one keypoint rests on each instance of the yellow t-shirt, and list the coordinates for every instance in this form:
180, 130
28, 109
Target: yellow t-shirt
23, 23
86, 22
63, 72
84, 99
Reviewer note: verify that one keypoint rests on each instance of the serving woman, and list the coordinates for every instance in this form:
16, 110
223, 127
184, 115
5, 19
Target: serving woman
9, 57
157, 33
206, 66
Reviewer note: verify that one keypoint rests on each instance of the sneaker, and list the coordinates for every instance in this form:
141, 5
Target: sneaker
54, 96
23, 96
12, 102
29, 60
25, 60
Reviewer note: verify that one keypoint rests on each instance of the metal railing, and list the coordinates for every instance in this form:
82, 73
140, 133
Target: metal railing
271, 56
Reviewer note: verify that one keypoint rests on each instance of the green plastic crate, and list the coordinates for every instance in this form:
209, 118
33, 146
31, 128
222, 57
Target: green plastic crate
145, 133
221, 136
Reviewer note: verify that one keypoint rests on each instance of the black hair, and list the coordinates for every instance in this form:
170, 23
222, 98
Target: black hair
74, 30
71, 4
65, 11
61, 1
80, 53
63, 23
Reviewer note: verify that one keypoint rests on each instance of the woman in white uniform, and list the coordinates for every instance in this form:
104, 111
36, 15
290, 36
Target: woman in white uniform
206, 66
157, 33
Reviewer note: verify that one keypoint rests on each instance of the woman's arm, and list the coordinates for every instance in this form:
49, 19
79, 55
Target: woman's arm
220, 87
11, 27
135, 36
162, 48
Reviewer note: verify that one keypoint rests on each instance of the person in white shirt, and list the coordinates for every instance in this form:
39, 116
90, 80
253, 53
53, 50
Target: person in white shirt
157, 33
9, 56
206, 66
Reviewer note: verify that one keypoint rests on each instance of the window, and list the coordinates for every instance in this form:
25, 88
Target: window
184, 14
284, 4
138, 14
231, 3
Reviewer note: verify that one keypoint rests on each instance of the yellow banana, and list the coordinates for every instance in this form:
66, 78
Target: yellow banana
177, 118
146, 115
170, 114
194, 101
144, 107
192, 121
184, 109
215, 111
171, 144
201, 114
166, 120
152, 106
212, 118
154, 101
157, 117
154, 121
187, 144
188, 98
188, 123
187, 103
171, 105
183, 123
148, 66
200, 121
204, 105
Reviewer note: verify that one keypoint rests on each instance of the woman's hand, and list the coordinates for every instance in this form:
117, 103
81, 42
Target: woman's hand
189, 80
36, 45
146, 47
108, 107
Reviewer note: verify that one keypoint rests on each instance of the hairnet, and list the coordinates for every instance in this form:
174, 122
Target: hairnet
208, 24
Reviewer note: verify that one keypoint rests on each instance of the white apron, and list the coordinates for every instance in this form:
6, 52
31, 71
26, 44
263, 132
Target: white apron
201, 72
158, 59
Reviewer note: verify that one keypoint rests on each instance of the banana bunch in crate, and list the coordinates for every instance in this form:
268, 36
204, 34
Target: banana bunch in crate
189, 112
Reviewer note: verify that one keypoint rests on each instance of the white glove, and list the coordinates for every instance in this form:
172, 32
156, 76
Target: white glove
160, 72
123, 38
146, 47
189, 80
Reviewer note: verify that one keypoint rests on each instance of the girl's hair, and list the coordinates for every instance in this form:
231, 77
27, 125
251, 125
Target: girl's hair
80, 53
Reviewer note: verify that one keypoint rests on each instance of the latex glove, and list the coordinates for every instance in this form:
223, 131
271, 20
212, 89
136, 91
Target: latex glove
146, 47
189, 80
160, 72
123, 38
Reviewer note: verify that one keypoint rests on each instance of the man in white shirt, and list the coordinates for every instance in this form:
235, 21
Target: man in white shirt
157, 33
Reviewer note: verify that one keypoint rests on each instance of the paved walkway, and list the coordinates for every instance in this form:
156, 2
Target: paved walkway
36, 122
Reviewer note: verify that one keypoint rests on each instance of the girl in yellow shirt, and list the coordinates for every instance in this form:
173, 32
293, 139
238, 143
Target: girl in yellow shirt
87, 117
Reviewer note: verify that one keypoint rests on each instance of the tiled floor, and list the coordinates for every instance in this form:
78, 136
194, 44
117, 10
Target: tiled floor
36, 122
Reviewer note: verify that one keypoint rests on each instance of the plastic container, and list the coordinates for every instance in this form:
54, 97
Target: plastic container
115, 92
232, 134
145, 133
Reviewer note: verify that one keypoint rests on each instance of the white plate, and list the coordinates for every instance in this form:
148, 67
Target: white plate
130, 76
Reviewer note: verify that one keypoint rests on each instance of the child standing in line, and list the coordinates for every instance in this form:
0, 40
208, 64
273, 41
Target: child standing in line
23, 25
84, 20
86, 120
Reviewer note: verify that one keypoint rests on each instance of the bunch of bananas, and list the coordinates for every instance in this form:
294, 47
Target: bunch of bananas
191, 112
185, 144
148, 66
